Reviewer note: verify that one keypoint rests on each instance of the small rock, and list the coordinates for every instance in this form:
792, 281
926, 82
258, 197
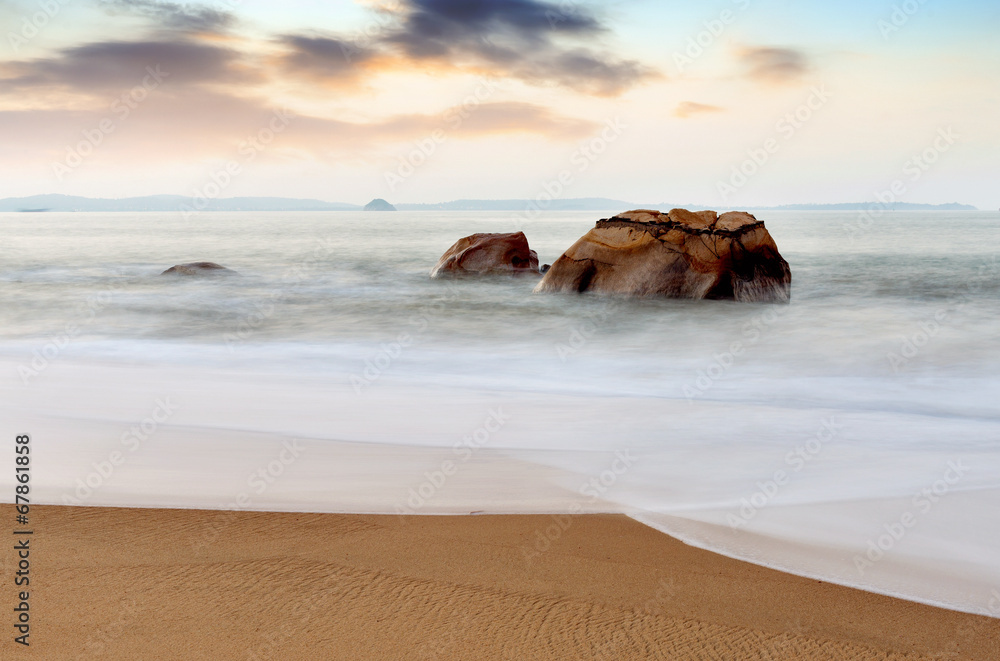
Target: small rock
199, 269
488, 254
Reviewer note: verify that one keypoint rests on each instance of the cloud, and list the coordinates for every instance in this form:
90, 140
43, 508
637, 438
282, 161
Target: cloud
199, 124
325, 57
774, 65
584, 70
538, 42
434, 27
687, 109
102, 67
510, 117
173, 16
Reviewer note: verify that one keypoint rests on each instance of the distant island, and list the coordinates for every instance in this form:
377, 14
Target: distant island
605, 204
379, 204
172, 203
862, 206
167, 203
574, 204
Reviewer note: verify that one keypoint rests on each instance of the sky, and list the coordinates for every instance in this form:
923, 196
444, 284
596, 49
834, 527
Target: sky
724, 104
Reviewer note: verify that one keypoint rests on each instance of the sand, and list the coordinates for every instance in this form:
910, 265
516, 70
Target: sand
186, 584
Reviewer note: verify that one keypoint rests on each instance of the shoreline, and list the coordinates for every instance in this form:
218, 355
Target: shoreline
131, 582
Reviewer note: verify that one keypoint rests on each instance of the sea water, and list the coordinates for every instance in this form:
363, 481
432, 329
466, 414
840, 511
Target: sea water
852, 435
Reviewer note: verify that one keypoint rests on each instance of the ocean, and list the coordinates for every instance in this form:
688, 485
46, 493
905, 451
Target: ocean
852, 435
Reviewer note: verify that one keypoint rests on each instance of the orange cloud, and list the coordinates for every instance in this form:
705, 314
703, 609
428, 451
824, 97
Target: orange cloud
774, 65
200, 124
687, 109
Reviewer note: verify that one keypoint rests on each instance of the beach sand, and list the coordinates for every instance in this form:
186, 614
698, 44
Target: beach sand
185, 584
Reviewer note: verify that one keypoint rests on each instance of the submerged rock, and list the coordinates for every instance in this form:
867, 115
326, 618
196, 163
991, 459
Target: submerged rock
682, 254
488, 254
198, 268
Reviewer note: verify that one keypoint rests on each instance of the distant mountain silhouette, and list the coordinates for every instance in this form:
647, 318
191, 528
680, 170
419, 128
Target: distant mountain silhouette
168, 203
178, 203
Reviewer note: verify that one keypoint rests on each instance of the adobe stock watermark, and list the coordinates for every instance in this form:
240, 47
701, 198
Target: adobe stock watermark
702, 42
121, 108
363, 38
785, 128
619, 646
595, 488
785, 648
581, 159
973, 629
899, 17
131, 440
267, 306
666, 590
452, 120
724, 361
251, 146
32, 25
463, 451
922, 505
314, 601
581, 333
84, 314
376, 366
258, 482
795, 461
99, 642
914, 170
564, 11
440, 647
912, 345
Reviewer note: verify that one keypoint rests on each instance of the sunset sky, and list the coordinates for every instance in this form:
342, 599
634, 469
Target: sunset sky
432, 100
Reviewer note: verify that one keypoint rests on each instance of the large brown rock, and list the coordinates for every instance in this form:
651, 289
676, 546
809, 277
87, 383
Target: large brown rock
682, 254
488, 254
198, 268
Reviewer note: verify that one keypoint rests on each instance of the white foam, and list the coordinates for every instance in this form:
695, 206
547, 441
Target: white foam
706, 471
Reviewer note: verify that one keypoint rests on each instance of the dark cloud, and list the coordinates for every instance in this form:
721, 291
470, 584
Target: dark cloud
100, 67
172, 42
174, 16
774, 65
433, 27
325, 56
532, 40
581, 68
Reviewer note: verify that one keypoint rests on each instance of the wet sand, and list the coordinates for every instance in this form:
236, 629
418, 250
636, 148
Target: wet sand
112, 583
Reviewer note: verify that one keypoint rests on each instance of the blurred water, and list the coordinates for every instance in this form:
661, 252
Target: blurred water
315, 281
334, 332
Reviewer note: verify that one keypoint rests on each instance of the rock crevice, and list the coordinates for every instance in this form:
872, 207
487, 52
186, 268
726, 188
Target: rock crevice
659, 229
680, 254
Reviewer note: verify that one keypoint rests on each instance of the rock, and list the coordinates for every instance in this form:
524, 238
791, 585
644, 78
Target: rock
683, 254
545, 268
379, 205
198, 269
488, 254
